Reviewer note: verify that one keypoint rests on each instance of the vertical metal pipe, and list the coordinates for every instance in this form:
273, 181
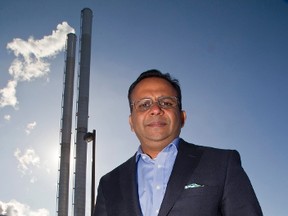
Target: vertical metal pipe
93, 172
82, 113
66, 124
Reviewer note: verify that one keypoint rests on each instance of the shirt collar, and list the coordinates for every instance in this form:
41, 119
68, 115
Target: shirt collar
175, 142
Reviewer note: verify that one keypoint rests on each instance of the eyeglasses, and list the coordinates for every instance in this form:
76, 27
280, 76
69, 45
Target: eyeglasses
164, 102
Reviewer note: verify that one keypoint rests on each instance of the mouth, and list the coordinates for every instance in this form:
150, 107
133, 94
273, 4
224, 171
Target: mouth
157, 124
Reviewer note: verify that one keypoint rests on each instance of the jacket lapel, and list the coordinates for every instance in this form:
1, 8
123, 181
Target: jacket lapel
129, 188
186, 161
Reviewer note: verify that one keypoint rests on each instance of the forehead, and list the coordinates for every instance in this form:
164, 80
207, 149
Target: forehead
153, 87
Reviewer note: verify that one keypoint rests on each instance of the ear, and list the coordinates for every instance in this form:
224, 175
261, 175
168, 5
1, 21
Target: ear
131, 123
183, 118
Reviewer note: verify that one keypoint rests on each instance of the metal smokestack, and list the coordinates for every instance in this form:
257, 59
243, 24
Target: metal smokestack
66, 124
82, 113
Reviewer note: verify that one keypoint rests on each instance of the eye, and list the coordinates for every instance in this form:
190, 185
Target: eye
143, 104
168, 102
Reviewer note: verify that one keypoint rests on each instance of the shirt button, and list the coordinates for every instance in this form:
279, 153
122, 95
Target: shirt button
158, 187
159, 166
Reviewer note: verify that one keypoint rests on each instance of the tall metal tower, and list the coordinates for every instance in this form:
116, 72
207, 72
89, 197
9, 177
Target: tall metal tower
82, 113
66, 124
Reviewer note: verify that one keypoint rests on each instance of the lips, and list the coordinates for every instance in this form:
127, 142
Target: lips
156, 124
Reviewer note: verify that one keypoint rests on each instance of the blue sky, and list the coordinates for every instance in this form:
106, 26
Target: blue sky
230, 58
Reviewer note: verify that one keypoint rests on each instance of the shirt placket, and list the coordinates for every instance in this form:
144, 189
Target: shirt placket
158, 190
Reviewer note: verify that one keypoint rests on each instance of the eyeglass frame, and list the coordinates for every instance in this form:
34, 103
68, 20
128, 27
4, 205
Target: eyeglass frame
157, 101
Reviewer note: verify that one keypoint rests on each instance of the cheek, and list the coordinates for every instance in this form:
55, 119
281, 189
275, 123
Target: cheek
134, 122
176, 120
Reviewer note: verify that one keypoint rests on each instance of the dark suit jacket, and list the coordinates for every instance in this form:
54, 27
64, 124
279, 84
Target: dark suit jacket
226, 189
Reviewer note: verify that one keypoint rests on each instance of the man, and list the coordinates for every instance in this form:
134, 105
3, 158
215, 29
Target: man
168, 176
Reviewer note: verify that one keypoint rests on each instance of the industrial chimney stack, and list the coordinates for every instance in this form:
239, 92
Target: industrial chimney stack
66, 124
63, 197
82, 113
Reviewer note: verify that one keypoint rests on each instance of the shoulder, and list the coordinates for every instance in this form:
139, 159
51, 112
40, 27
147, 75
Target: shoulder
186, 145
209, 153
121, 171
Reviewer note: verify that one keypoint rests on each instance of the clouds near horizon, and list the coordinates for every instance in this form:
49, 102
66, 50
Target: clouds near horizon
15, 208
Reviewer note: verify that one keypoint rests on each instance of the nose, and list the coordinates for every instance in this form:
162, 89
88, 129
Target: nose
155, 109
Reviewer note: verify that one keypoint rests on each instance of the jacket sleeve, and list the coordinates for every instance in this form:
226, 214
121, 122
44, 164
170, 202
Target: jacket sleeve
239, 197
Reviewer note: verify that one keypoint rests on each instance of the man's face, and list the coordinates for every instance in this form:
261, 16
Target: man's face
155, 127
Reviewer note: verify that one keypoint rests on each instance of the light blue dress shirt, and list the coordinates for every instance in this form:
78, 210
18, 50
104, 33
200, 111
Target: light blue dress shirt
153, 176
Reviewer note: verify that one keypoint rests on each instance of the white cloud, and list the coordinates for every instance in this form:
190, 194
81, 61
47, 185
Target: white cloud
31, 60
15, 208
27, 160
8, 94
33, 179
30, 127
31, 55
7, 117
